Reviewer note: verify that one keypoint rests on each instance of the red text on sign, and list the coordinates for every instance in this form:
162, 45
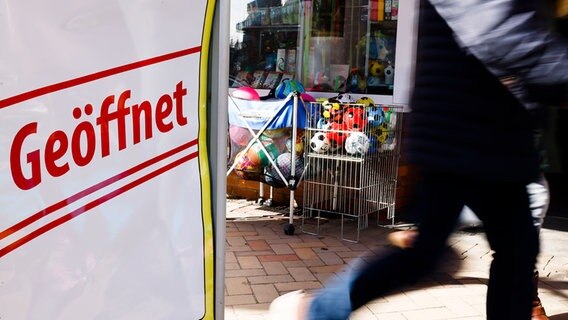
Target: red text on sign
88, 137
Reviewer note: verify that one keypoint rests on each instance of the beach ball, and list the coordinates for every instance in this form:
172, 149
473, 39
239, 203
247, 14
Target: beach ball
246, 168
246, 93
239, 135
307, 97
275, 133
284, 162
288, 86
259, 157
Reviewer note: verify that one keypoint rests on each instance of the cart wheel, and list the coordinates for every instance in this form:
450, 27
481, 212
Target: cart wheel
260, 201
289, 229
268, 203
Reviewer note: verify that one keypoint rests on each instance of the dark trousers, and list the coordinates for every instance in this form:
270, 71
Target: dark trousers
438, 199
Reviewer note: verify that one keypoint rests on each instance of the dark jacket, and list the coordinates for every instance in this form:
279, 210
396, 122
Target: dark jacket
463, 120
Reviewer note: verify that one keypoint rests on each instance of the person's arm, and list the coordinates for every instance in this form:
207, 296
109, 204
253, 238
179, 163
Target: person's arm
512, 42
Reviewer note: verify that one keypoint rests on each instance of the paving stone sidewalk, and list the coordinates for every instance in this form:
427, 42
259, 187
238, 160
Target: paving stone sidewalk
263, 263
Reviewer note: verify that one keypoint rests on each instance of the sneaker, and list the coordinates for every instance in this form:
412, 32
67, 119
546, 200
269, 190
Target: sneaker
290, 306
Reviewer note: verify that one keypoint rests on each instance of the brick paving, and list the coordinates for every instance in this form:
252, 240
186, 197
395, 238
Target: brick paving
262, 263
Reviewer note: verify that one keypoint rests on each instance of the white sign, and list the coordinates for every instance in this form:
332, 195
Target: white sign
104, 190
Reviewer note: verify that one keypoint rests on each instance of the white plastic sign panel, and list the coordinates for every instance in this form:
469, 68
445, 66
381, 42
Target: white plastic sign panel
104, 183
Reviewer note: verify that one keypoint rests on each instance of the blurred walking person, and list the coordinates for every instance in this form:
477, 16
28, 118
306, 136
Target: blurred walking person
482, 68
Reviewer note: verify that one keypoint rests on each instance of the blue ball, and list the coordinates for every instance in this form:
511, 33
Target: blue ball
375, 116
288, 86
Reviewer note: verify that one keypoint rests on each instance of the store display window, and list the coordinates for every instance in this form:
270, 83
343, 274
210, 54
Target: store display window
330, 46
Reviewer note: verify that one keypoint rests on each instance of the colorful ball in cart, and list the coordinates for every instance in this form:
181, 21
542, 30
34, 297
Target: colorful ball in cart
375, 116
357, 143
381, 133
275, 133
319, 143
366, 101
323, 124
272, 178
336, 113
355, 118
246, 93
239, 135
246, 168
284, 162
288, 86
298, 146
307, 97
373, 145
257, 155
331, 109
336, 135
344, 98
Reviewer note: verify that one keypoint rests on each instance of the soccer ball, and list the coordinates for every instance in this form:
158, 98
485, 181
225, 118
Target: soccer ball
319, 143
336, 135
377, 68
366, 101
376, 116
357, 143
355, 118
344, 98
381, 133
323, 124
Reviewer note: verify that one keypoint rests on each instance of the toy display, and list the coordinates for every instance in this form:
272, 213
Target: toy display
352, 163
338, 123
262, 135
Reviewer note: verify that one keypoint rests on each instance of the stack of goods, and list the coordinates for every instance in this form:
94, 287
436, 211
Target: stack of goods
269, 157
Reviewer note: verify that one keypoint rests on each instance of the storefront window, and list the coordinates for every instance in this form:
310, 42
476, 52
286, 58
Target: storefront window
328, 45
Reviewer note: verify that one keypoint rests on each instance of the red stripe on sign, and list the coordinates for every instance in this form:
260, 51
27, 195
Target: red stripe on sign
56, 206
77, 212
95, 76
